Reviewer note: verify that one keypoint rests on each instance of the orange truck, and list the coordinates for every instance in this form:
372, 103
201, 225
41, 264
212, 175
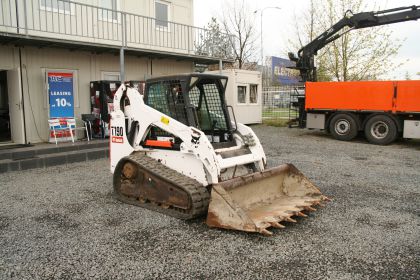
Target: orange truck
383, 110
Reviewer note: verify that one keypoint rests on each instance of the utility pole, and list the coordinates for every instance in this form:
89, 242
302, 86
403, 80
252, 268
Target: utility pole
261, 35
261, 30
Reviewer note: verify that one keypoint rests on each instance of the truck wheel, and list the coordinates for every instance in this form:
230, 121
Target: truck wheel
343, 127
381, 130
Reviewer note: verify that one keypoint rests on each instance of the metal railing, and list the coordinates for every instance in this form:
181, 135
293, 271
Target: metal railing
277, 101
66, 20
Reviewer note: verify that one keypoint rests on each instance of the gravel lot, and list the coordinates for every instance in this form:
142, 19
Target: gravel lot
63, 223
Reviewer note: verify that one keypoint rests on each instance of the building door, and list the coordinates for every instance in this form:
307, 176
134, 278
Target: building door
14, 91
5, 135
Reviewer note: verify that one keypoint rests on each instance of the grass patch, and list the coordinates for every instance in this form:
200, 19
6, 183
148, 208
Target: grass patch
278, 117
278, 113
276, 122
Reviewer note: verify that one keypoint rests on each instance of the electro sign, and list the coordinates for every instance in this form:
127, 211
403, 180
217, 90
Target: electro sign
280, 72
60, 94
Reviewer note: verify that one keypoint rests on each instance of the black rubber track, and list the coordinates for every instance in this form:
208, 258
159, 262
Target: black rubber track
198, 194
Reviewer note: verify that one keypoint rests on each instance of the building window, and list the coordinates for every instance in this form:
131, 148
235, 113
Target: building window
61, 6
109, 13
110, 76
162, 14
253, 93
242, 94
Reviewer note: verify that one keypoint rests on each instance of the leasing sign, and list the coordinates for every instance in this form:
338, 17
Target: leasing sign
60, 95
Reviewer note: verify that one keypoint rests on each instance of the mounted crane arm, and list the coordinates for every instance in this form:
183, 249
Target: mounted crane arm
305, 57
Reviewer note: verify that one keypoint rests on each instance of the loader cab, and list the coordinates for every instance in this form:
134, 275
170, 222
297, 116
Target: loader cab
196, 100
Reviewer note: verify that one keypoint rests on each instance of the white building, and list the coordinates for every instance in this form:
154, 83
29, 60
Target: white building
244, 94
84, 38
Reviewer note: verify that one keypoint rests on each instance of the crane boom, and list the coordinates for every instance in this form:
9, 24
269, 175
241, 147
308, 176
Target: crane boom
305, 58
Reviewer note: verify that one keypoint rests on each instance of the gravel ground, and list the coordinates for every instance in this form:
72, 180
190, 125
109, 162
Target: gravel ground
63, 223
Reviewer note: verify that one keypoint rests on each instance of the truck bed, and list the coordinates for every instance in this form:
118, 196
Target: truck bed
389, 96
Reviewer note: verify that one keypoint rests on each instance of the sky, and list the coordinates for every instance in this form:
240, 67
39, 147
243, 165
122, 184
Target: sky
278, 28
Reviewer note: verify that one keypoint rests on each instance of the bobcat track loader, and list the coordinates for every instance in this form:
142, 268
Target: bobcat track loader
176, 150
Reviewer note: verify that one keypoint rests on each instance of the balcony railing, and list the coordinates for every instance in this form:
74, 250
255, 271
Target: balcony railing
69, 21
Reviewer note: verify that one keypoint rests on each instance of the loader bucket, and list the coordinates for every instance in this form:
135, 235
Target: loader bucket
261, 200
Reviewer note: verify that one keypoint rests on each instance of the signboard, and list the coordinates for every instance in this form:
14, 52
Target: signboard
281, 74
60, 95
61, 103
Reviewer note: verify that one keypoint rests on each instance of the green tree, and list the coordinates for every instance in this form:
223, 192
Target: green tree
363, 54
213, 41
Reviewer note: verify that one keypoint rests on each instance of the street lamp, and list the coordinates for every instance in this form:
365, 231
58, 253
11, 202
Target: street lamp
261, 32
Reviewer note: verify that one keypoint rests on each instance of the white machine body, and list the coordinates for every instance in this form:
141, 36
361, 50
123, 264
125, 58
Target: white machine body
197, 157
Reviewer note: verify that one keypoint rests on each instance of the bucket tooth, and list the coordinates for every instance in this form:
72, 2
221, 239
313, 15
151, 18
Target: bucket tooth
309, 208
276, 225
300, 214
265, 232
317, 203
290, 220
325, 198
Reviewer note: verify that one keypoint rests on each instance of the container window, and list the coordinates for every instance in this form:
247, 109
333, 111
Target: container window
242, 94
253, 94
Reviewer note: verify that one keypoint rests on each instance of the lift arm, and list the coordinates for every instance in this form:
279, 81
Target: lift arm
305, 59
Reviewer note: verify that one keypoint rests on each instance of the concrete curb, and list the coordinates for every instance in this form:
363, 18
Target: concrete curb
43, 158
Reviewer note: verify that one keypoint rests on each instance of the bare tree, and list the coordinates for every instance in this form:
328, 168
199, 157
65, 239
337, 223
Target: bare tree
307, 27
237, 20
357, 55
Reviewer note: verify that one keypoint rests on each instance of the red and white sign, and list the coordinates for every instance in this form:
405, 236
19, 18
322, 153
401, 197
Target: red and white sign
117, 139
